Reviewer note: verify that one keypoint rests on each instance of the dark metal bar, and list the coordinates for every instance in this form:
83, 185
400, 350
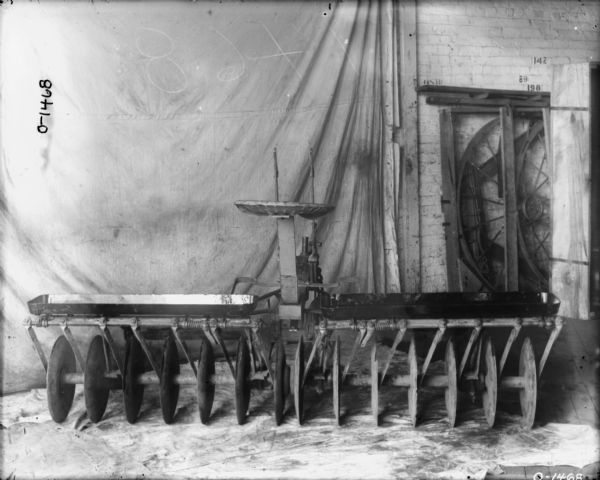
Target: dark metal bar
346, 324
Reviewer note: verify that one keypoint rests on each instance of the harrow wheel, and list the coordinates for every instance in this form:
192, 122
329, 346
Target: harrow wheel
60, 394
169, 390
242, 381
490, 383
133, 391
298, 388
451, 391
528, 393
279, 383
412, 387
96, 387
206, 386
374, 385
336, 380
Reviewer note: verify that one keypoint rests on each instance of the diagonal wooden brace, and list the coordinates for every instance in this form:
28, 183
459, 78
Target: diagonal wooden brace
316, 344
216, 334
509, 342
155, 366
69, 336
181, 342
262, 351
434, 343
248, 334
103, 326
357, 341
553, 336
397, 341
463, 363
38, 347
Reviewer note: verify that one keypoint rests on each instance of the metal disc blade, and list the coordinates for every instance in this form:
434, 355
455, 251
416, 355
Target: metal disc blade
297, 382
451, 391
336, 379
206, 386
133, 392
96, 387
490, 393
528, 394
279, 383
374, 385
60, 394
169, 390
413, 385
242, 383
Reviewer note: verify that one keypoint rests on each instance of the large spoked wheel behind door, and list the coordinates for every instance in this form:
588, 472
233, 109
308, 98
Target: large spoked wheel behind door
133, 392
279, 383
60, 394
169, 390
206, 385
490, 392
528, 394
96, 387
242, 381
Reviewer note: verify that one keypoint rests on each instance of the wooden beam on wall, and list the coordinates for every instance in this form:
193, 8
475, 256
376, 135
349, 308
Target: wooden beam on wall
449, 200
407, 137
570, 119
511, 215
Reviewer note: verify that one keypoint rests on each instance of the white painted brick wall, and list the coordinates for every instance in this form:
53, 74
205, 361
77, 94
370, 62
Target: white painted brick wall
487, 44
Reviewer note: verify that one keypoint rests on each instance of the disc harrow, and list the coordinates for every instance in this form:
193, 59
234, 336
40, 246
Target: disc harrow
249, 333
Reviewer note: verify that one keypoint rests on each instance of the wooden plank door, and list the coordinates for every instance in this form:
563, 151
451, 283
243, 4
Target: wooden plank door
570, 119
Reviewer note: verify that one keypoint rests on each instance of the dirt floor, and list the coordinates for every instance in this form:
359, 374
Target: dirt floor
33, 446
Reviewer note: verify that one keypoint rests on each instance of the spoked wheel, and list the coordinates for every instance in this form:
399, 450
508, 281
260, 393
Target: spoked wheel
413, 386
169, 390
279, 383
336, 380
490, 392
60, 394
206, 386
374, 385
298, 389
96, 386
242, 381
133, 392
451, 391
528, 393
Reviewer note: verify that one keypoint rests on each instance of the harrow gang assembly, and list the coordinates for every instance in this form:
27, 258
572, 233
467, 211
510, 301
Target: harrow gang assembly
300, 310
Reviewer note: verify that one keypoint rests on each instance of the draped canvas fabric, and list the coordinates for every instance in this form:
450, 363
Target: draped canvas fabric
163, 115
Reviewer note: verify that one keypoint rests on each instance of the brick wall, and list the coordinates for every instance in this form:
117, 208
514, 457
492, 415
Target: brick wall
501, 44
